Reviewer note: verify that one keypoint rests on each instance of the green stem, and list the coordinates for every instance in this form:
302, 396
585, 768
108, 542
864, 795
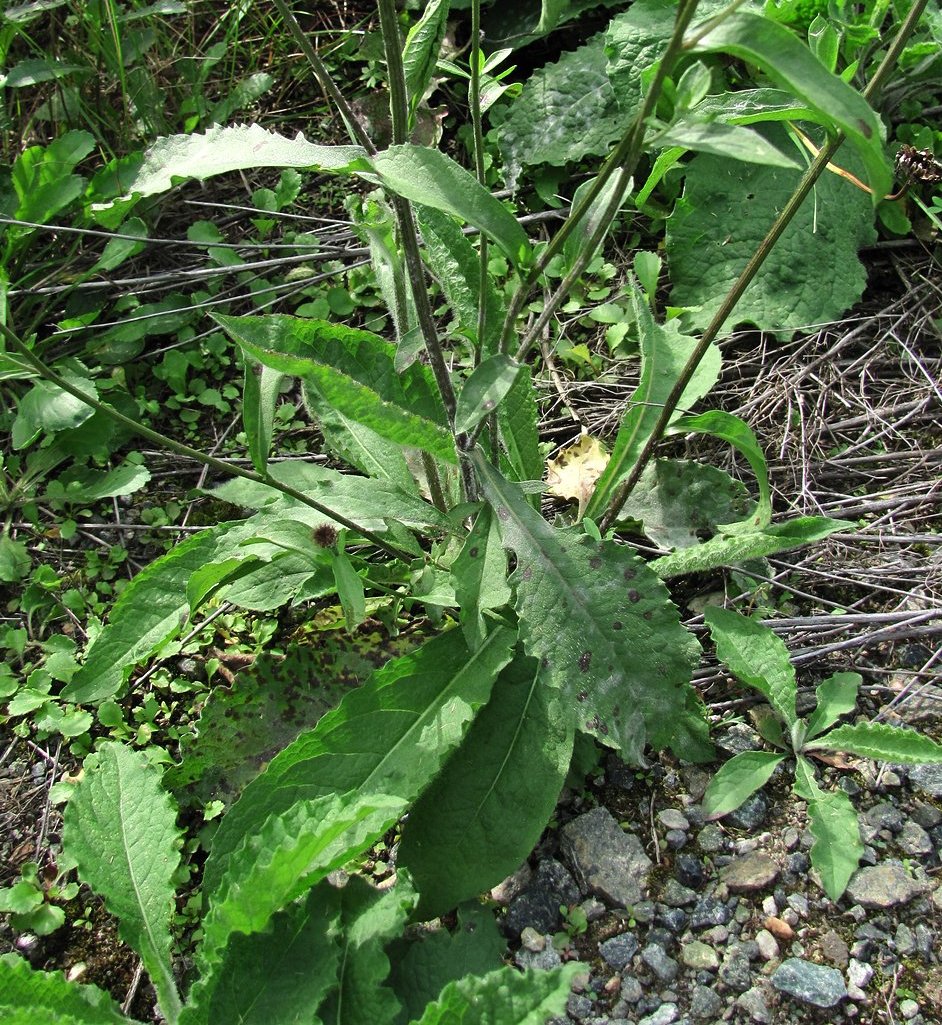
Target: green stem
808, 180
477, 133
48, 374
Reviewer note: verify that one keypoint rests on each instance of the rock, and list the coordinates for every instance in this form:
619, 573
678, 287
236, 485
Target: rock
809, 983
543, 960
705, 1004
608, 861
834, 949
754, 1004
927, 779
913, 840
538, 905
885, 816
619, 950
904, 940
579, 1006
738, 738
664, 1015
779, 928
699, 956
708, 911
674, 895
768, 947
670, 818
735, 971
711, 838
663, 966
689, 871
750, 873
883, 886
859, 973
750, 814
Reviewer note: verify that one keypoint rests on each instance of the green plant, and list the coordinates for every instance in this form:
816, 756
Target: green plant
280, 941
759, 659
33, 901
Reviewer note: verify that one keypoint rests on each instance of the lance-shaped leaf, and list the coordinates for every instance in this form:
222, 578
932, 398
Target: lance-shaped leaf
664, 351
47, 996
738, 779
120, 828
757, 657
353, 372
504, 997
484, 813
790, 64
420, 54
837, 695
881, 742
577, 242
837, 848
602, 625
391, 735
479, 573
260, 396
484, 390
729, 141
518, 418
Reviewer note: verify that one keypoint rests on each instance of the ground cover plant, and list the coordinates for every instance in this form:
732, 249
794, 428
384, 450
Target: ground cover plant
433, 490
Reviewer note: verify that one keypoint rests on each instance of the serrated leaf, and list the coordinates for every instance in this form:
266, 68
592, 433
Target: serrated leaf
664, 352
420, 53
260, 396
786, 294
677, 501
737, 779
837, 848
236, 148
757, 657
33, 995
790, 64
486, 810
479, 573
837, 695
603, 627
353, 372
389, 735
120, 827
484, 390
430, 177
740, 548
881, 742
504, 997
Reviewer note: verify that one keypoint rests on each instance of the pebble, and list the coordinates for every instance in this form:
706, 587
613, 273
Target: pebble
750, 873
670, 818
689, 871
809, 983
768, 947
927, 779
705, 1003
834, 949
883, 886
736, 971
913, 840
661, 963
538, 905
779, 928
699, 956
708, 911
750, 814
608, 861
664, 1015
753, 1002
676, 895
619, 950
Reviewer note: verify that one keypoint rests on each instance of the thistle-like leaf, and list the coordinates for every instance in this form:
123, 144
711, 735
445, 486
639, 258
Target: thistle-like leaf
837, 695
881, 742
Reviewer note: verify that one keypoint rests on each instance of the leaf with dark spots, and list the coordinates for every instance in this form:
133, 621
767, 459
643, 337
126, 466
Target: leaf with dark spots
585, 660
628, 573
582, 695
473, 552
634, 596
595, 562
617, 625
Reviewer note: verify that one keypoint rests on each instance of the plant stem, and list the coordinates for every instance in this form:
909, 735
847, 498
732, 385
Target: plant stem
625, 155
477, 132
811, 175
232, 470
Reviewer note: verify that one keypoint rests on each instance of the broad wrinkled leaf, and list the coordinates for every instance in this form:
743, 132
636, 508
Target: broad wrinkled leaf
120, 827
881, 742
738, 779
664, 351
837, 695
790, 64
34, 995
740, 548
390, 735
837, 849
484, 390
786, 294
484, 813
757, 657
504, 997
602, 625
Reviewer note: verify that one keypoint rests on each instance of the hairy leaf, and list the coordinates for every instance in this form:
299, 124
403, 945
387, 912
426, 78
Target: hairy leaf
602, 625
738, 779
262, 389
786, 294
420, 53
837, 695
757, 657
35, 995
120, 827
479, 573
364, 449
484, 390
881, 742
725, 141
484, 813
389, 735
518, 418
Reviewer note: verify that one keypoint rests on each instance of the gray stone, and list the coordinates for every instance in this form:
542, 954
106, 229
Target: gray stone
904, 940
927, 779
750, 814
708, 911
711, 838
608, 861
750, 873
885, 816
809, 983
670, 818
676, 838
544, 959
859, 973
736, 971
674, 895
619, 950
538, 905
883, 886
657, 959
705, 1003
754, 1004
631, 990
738, 738
689, 870
768, 945
699, 956
913, 840
579, 1006
664, 1015
835, 949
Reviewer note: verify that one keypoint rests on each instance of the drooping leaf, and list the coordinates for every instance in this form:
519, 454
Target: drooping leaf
730, 141
756, 656
432, 178
34, 994
420, 53
734, 551
752, 106
786, 294
577, 242
484, 390
602, 625
484, 813
677, 501
120, 827
353, 372
46, 407
364, 449
479, 573
389, 735
518, 418
504, 997
262, 388
81, 485
791, 65
837, 848
837, 695
664, 351
738, 779
881, 742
